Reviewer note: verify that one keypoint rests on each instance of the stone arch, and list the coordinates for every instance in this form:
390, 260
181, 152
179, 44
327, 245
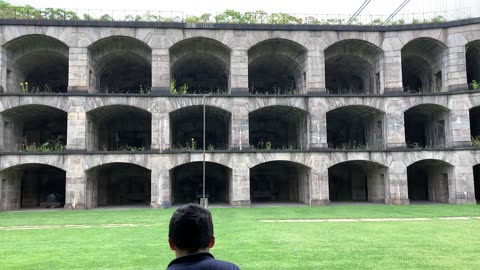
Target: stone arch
424, 63
34, 127
222, 38
430, 180
355, 127
36, 63
32, 185
189, 158
17, 162
186, 181
201, 64
118, 183
57, 103
474, 115
223, 104
120, 64
186, 125
281, 156
370, 37
297, 103
60, 33
119, 128
476, 181
427, 125
354, 66
277, 66
472, 55
278, 127
358, 180
280, 181
139, 103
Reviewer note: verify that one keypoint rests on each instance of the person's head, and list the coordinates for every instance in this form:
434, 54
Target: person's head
191, 230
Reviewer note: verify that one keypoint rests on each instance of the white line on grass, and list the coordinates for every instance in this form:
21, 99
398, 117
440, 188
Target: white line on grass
73, 226
361, 219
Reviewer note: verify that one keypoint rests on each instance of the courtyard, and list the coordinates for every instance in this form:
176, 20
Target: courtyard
343, 236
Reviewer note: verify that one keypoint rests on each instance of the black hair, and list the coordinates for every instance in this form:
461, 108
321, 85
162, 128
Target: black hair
191, 228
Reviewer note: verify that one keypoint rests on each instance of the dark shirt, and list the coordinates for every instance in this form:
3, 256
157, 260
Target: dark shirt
200, 261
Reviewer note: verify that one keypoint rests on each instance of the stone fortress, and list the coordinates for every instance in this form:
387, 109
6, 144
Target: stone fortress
111, 113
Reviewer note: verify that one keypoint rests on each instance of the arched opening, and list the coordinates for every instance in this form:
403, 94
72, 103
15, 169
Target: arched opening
37, 64
277, 66
187, 128
120, 65
428, 180
199, 66
476, 181
119, 128
116, 184
32, 186
278, 127
423, 60
34, 128
357, 180
187, 182
355, 127
279, 181
475, 125
473, 64
353, 67
426, 126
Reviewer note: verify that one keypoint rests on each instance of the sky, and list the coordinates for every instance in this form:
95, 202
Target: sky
197, 7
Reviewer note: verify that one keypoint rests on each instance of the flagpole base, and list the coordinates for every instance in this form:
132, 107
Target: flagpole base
204, 202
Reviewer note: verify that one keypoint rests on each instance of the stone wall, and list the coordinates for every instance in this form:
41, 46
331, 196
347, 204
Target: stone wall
296, 68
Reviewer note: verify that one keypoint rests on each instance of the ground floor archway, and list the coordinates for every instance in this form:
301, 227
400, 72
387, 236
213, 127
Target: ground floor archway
187, 182
279, 181
428, 180
32, 186
476, 181
116, 184
357, 181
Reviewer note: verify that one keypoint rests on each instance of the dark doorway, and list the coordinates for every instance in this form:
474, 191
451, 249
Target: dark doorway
187, 128
428, 181
186, 181
117, 184
278, 127
279, 181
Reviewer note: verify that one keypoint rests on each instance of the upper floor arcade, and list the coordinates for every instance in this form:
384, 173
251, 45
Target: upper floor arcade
176, 60
46, 123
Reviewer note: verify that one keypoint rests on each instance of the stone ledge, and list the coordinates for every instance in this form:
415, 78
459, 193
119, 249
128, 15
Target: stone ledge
227, 26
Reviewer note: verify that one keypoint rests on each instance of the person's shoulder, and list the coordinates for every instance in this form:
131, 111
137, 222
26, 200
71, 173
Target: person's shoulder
223, 265
200, 261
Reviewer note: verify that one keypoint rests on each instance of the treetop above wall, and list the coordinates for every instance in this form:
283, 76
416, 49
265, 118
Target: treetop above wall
229, 16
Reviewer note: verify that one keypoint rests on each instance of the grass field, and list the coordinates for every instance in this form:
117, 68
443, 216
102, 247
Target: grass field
90, 240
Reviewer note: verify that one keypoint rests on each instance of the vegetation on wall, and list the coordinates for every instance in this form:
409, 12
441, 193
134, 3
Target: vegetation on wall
52, 145
229, 16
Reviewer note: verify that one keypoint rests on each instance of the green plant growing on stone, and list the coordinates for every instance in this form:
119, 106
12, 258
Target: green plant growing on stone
260, 144
144, 90
173, 87
476, 141
437, 19
131, 148
53, 145
474, 85
210, 147
192, 145
24, 86
268, 145
184, 89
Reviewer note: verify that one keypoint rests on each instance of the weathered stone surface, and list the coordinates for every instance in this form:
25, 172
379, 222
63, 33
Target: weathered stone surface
376, 59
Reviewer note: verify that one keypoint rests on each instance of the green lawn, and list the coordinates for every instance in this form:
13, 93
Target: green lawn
241, 238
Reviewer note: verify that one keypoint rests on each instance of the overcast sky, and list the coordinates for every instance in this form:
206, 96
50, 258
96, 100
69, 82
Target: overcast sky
196, 7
